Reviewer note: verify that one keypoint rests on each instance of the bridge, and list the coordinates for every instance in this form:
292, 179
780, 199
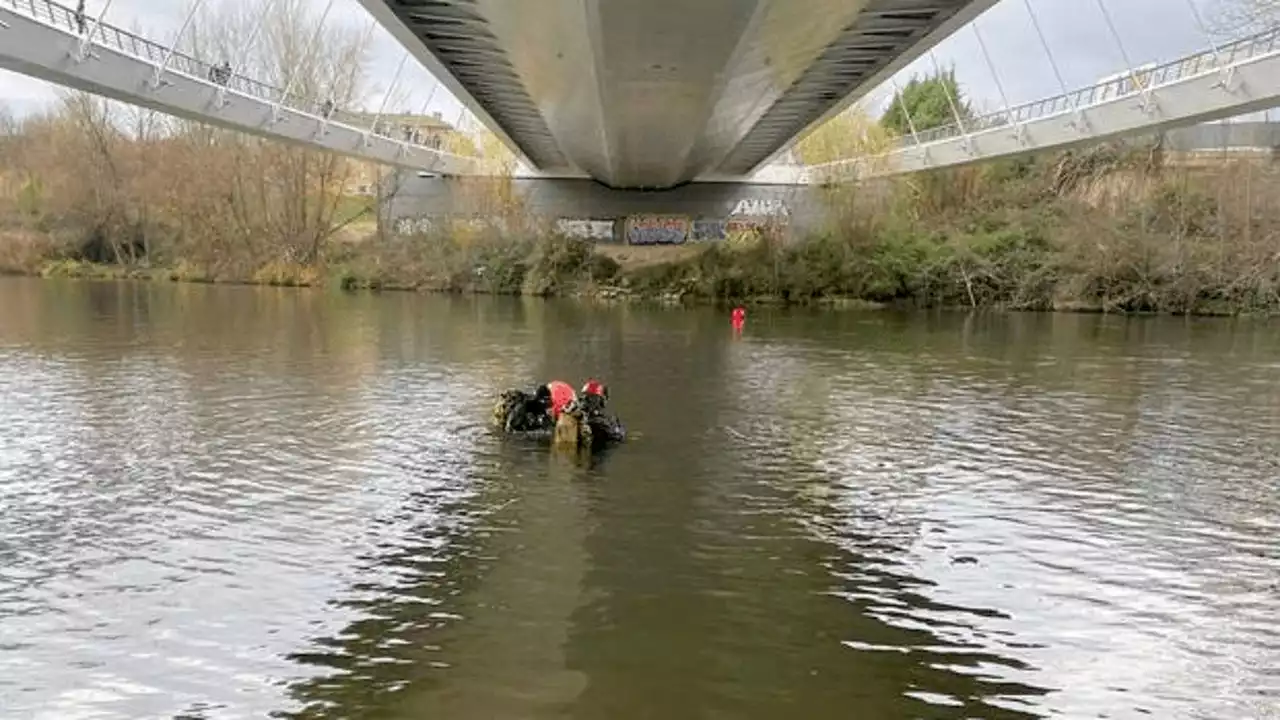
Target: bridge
1223, 81
714, 94
42, 39
654, 94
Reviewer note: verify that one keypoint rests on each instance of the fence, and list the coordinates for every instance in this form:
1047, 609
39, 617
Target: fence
1148, 78
64, 18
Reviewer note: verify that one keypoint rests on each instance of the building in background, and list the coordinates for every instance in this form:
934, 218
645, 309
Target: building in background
428, 130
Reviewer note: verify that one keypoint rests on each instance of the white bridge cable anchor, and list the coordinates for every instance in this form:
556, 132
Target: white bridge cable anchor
306, 57
1148, 105
86, 40
1226, 71
1079, 121
250, 44
351, 76
157, 78
1019, 132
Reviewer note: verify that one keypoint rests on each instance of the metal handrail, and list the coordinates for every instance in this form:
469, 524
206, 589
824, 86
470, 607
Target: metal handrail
1146, 80
61, 17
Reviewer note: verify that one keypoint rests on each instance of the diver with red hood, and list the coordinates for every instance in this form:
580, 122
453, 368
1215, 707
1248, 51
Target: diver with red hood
595, 395
519, 411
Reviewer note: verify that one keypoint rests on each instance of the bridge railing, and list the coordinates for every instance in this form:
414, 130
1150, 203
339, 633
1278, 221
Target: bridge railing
1141, 80
64, 18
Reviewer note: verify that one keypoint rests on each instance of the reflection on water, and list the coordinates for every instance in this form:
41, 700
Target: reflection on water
233, 502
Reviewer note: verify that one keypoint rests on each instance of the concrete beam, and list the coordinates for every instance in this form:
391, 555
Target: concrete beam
39, 50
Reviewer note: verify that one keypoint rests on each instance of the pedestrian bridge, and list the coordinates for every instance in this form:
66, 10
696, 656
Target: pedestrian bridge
624, 136
42, 39
1220, 82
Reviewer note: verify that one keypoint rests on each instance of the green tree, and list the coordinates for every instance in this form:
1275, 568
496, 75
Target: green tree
849, 134
928, 102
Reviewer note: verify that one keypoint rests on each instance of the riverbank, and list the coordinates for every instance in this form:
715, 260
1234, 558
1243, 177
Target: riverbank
1017, 263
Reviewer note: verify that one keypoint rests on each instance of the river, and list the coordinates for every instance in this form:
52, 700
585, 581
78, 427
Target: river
231, 502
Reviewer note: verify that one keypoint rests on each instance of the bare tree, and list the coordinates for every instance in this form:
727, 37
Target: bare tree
1229, 19
284, 193
8, 124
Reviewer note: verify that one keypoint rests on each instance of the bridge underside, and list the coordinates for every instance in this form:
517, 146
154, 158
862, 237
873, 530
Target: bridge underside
657, 93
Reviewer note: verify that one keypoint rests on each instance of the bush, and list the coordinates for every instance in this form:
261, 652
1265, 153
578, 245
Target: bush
558, 263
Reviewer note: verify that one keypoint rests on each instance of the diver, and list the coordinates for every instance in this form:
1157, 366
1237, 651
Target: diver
604, 427
562, 396
554, 407
526, 412
538, 411
595, 395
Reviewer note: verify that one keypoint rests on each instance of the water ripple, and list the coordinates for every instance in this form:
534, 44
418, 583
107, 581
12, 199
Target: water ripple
1127, 553
225, 503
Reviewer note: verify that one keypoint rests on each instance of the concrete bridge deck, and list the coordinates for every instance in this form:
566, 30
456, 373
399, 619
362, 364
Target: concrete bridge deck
649, 95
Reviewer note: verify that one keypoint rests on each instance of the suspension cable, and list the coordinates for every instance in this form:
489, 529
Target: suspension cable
1145, 87
158, 77
82, 51
306, 55
1008, 112
387, 97
953, 103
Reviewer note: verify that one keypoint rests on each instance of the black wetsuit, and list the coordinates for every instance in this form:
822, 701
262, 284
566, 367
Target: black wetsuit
604, 427
530, 413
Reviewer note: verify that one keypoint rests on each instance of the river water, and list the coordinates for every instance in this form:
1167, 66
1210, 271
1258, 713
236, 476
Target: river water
224, 502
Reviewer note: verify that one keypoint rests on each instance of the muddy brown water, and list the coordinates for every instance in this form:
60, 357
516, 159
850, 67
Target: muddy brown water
228, 502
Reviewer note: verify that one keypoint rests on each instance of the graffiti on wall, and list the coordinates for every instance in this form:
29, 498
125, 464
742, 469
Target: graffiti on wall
707, 230
414, 225
750, 216
657, 229
426, 224
743, 227
760, 208
597, 230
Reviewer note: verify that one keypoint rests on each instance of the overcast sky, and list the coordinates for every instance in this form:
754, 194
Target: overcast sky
1084, 49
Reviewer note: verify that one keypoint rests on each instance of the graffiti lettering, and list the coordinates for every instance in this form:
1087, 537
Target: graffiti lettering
704, 230
752, 207
739, 227
657, 229
414, 226
598, 230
